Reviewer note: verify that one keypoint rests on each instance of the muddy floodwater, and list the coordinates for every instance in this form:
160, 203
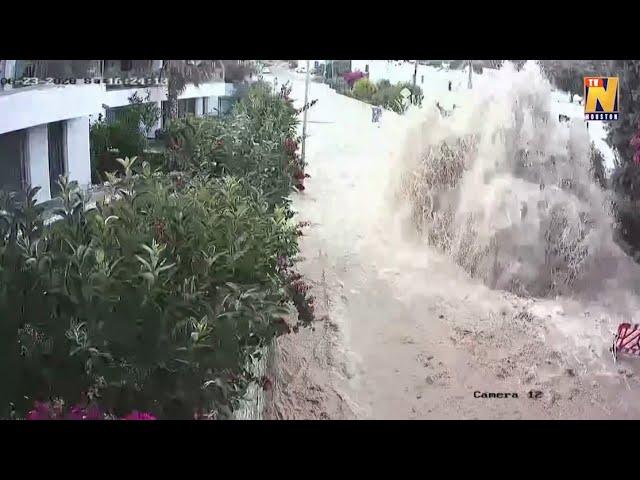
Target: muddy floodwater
489, 292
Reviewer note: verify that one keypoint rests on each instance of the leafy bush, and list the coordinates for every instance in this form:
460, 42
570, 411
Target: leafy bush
160, 299
249, 143
416, 92
386, 95
155, 301
124, 137
364, 89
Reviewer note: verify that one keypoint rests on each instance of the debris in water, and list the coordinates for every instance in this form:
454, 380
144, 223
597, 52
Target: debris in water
553, 398
266, 384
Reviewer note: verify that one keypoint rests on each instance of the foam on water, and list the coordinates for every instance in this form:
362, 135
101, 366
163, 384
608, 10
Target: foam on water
506, 190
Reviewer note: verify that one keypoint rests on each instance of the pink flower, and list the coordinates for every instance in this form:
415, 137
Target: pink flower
42, 411
79, 412
76, 413
135, 415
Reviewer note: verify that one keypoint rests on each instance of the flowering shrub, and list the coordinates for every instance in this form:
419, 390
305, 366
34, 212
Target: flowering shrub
156, 300
55, 411
364, 89
257, 142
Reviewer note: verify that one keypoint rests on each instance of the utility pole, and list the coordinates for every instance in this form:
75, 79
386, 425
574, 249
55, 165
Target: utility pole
304, 118
470, 71
415, 74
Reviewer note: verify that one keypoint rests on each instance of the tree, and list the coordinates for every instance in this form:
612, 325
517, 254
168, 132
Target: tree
622, 131
623, 136
179, 73
568, 75
234, 71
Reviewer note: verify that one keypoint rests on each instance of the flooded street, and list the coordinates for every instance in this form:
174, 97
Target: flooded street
404, 331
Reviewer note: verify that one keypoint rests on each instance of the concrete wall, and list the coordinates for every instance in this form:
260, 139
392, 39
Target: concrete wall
212, 106
38, 158
204, 90
78, 157
31, 106
120, 98
199, 110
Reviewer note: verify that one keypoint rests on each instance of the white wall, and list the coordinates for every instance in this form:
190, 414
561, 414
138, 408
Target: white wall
38, 158
212, 106
78, 157
28, 107
120, 98
204, 90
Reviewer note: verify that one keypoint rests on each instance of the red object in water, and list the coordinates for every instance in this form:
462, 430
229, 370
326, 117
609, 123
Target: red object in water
626, 340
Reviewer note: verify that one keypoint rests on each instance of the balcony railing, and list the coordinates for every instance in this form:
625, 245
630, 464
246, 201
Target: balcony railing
29, 73
119, 74
114, 74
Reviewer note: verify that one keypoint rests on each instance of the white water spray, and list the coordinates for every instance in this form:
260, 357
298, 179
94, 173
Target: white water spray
507, 191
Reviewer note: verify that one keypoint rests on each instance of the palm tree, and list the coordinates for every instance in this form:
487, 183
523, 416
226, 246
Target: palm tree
179, 73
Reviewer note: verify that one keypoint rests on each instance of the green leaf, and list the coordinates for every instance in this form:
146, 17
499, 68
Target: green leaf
148, 277
144, 262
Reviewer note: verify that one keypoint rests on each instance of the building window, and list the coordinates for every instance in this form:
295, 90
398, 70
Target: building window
366, 68
14, 174
186, 107
224, 105
57, 155
422, 79
126, 65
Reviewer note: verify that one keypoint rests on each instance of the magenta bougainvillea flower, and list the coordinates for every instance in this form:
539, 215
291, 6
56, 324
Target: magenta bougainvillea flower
78, 412
135, 415
45, 411
352, 77
41, 411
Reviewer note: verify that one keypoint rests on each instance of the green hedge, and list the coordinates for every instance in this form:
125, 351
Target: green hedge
159, 300
249, 143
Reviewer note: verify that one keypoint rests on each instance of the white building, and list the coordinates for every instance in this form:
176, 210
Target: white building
396, 71
44, 127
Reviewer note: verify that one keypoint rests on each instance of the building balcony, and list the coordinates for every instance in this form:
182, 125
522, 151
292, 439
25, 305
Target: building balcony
30, 73
127, 74
36, 105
